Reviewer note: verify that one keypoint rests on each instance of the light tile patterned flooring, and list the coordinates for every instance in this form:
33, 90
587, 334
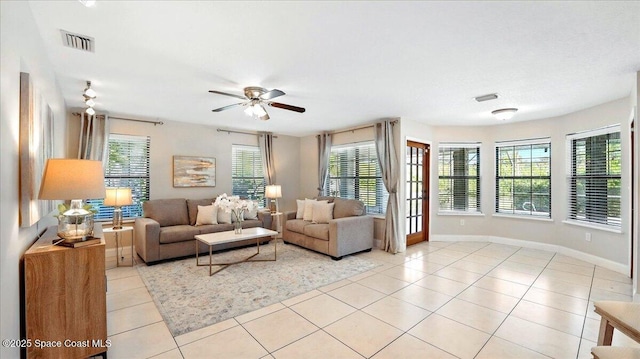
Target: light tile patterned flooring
437, 300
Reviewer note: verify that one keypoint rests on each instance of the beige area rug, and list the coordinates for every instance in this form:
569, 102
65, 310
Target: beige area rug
189, 299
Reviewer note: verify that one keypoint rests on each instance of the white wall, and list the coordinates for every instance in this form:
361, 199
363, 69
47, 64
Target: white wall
610, 246
633, 104
22, 51
183, 139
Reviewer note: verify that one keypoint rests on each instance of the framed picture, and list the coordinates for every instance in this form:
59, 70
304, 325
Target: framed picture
36, 146
190, 171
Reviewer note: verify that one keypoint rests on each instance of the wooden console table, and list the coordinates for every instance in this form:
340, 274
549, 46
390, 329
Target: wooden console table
65, 299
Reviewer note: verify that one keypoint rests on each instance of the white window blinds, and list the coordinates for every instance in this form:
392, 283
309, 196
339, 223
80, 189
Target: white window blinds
523, 177
127, 166
459, 177
354, 172
595, 176
247, 175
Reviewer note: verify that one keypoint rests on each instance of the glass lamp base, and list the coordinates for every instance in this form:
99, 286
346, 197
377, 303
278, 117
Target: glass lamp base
73, 228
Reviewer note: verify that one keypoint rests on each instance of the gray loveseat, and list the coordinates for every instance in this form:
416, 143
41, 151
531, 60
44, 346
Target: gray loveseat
168, 229
350, 231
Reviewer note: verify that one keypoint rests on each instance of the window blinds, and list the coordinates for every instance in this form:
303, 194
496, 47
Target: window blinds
127, 166
459, 177
523, 178
354, 172
247, 175
595, 177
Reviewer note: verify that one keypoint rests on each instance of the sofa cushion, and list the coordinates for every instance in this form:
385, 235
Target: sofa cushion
300, 209
347, 208
326, 198
296, 225
322, 212
179, 233
212, 228
192, 207
320, 231
207, 215
167, 212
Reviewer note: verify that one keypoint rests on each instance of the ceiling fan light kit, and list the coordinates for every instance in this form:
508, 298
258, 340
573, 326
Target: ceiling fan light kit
255, 99
504, 114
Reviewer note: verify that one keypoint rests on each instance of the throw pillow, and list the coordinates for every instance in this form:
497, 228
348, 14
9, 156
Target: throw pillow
252, 214
300, 212
308, 209
223, 216
322, 212
206, 215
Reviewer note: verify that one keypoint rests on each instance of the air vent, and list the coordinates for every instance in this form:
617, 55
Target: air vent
491, 96
77, 41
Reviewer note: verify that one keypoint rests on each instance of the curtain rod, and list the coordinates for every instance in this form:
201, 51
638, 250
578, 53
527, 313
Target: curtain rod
126, 119
241, 132
359, 128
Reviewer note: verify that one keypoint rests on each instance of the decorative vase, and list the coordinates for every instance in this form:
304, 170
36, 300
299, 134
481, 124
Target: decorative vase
237, 227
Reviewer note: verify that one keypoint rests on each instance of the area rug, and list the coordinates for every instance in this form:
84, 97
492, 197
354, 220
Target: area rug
189, 299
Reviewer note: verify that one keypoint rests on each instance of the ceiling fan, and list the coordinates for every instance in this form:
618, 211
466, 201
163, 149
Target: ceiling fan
254, 100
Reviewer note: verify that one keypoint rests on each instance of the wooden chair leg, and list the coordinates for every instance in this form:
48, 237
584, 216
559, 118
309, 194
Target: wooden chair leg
606, 332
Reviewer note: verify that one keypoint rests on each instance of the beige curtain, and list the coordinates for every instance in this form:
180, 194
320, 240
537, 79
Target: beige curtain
265, 142
389, 165
94, 137
324, 152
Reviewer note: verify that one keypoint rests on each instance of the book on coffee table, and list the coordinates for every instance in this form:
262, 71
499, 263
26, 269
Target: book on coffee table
76, 244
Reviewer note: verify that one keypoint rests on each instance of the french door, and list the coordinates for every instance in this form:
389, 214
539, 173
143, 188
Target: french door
417, 191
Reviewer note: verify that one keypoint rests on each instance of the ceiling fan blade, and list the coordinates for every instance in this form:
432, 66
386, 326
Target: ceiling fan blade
228, 107
286, 107
228, 94
271, 94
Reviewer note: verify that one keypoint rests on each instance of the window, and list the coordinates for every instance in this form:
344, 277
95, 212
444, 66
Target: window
354, 172
459, 177
523, 178
594, 177
247, 176
127, 166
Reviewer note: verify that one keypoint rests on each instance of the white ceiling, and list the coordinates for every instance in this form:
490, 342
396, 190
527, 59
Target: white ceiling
347, 63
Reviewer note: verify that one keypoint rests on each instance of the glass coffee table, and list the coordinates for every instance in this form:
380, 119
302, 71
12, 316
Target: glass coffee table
211, 239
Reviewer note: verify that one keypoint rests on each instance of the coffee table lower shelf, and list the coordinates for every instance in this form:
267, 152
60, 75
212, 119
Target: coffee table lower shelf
212, 239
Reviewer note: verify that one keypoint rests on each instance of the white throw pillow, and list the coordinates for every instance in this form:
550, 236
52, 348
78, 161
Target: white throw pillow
206, 215
322, 212
223, 216
300, 212
253, 213
308, 208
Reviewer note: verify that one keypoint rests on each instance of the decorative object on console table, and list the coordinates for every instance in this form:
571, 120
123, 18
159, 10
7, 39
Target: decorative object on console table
75, 180
65, 298
191, 171
118, 197
235, 206
273, 192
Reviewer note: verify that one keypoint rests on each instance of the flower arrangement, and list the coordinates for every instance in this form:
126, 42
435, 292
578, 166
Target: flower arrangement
236, 206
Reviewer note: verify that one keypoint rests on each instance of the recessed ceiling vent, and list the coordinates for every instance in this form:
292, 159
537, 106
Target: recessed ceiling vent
491, 96
77, 41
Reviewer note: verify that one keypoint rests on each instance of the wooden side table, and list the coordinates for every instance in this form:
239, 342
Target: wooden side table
65, 299
120, 258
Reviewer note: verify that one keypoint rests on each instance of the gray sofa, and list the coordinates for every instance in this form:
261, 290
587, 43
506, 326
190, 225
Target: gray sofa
350, 231
168, 229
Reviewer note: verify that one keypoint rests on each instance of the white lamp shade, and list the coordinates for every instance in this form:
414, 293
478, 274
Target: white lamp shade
273, 191
66, 179
118, 197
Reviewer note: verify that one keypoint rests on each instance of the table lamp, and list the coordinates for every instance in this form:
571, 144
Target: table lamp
273, 192
74, 180
118, 197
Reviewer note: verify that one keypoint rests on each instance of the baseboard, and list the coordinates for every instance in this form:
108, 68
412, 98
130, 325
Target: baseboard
599, 261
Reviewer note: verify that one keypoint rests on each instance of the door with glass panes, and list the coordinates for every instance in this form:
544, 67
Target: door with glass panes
417, 191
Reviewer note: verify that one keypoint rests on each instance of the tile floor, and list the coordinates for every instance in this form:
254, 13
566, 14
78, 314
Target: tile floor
437, 300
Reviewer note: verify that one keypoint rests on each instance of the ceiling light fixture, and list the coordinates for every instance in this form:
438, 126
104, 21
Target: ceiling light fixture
257, 111
88, 92
89, 95
504, 114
